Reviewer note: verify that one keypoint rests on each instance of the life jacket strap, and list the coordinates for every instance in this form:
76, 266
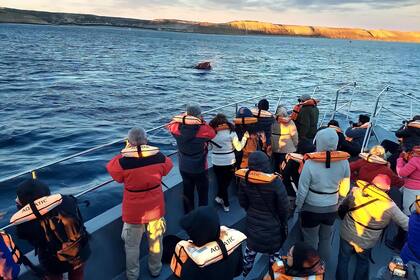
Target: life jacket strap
222, 248
139, 150
35, 210
222, 153
319, 192
144, 190
363, 225
328, 160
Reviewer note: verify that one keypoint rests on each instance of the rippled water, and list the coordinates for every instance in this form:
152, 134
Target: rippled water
64, 89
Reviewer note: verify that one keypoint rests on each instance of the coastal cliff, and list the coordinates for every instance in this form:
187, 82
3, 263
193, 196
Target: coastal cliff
8, 15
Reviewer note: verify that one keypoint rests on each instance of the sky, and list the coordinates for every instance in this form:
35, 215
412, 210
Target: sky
371, 14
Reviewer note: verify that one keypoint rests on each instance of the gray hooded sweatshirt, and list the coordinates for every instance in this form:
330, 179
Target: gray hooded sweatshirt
316, 177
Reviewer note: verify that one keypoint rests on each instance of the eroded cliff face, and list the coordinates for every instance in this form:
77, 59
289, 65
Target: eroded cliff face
235, 27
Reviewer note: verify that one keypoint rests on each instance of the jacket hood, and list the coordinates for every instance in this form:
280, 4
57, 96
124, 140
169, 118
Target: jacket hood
202, 225
326, 140
31, 190
259, 161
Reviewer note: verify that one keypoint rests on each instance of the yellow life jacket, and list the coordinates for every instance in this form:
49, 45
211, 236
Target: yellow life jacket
295, 157
296, 110
327, 157
373, 158
414, 124
43, 205
139, 151
261, 113
279, 272
186, 119
245, 120
255, 177
371, 190
210, 253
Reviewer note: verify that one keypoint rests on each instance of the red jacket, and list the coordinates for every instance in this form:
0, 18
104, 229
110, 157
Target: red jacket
143, 199
366, 171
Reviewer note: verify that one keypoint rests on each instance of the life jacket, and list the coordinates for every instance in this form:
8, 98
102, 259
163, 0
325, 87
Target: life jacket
210, 253
296, 110
64, 232
245, 120
336, 128
255, 142
373, 158
414, 124
221, 127
365, 125
295, 157
279, 273
255, 177
327, 157
261, 113
10, 257
283, 120
139, 151
186, 119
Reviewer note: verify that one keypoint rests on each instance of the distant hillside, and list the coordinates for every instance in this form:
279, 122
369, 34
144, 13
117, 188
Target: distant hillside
236, 27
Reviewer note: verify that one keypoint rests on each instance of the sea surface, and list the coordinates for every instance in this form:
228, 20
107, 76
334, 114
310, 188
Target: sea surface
64, 89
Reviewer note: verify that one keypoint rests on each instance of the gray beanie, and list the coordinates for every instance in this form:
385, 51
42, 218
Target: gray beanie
137, 136
305, 97
194, 110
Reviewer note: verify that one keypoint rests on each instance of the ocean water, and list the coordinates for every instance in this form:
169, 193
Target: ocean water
64, 89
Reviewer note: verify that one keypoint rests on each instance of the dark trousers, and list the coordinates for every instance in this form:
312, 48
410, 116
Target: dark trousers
344, 256
224, 175
191, 181
278, 158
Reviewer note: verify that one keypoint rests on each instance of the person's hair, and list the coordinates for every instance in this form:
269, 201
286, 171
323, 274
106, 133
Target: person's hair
334, 123
304, 256
416, 118
137, 136
194, 110
364, 119
263, 104
281, 111
220, 119
377, 150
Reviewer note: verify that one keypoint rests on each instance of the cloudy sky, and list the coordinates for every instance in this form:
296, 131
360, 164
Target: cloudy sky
372, 14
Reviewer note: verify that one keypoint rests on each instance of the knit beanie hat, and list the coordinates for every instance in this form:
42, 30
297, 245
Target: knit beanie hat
194, 110
304, 97
30, 190
263, 104
137, 136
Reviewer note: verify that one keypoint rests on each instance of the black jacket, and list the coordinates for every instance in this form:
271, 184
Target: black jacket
33, 233
267, 207
307, 122
410, 137
352, 148
203, 226
265, 124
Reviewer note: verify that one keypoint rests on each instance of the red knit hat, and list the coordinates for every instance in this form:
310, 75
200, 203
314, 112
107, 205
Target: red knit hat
382, 181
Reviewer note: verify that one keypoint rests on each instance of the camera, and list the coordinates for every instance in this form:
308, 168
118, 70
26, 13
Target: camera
397, 267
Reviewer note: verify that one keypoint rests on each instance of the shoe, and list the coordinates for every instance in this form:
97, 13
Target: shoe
226, 208
219, 200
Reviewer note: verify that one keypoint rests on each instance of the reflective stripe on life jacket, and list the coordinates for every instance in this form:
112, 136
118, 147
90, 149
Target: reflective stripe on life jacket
255, 177
208, 254
279, 272
245, 120
43, 205
186, 119
261, 113
414, 124
139, 151
373, 158
327, 157
298, 107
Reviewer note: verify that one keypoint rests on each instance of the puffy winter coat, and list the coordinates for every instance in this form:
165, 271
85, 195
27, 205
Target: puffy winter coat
410, 171
143, 199
192, 145
411, 249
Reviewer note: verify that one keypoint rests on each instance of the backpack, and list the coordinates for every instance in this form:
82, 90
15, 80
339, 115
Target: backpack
10, 257
65, 234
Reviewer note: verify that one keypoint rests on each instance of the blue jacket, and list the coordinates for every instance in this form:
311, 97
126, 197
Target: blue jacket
411, 249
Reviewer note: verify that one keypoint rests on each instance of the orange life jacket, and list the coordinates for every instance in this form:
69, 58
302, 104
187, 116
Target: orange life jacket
336, 128
261, 113
255, 142
279, 272
327, 157
224, 126
296, 157
186, 119
210, 253
373, 158
414, 124
245, 120
255, 177
298, 107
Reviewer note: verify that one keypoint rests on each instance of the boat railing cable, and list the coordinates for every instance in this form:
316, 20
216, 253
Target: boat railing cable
84, 152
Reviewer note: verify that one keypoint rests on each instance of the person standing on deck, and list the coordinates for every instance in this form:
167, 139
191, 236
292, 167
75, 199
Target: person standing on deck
408, 167
192, 140
223, 147
325, 178
265, 120
305, 115
366, 212
141, 168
